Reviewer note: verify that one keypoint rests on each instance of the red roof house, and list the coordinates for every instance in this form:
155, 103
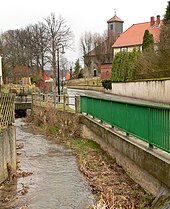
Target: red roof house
133, 36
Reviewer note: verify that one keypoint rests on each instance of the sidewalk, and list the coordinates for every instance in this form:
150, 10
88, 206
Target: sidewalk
115, 97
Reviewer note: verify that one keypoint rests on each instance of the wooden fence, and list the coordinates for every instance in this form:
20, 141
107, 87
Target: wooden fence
7, 107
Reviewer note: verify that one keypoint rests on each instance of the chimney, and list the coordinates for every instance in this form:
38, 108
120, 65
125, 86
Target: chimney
152, 21
157, 20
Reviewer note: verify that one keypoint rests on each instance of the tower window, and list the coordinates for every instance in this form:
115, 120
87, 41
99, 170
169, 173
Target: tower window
111, 27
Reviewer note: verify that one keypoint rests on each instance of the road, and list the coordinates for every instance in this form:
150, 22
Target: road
111, 97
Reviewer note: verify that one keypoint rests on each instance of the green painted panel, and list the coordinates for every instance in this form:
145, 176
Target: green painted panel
160, 128
137, 121
150, 123
119, 115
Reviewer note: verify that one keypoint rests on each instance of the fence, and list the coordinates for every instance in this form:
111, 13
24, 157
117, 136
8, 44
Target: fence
23, 98
64, 102
150, 123
7, 108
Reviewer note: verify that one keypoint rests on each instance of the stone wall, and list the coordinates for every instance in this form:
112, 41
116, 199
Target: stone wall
157, 91
7, 152
145, 165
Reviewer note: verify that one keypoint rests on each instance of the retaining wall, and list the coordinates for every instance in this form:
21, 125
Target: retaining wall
7, 152
157, 91
143, 164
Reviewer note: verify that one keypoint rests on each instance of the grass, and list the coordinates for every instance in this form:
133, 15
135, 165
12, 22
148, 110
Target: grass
85, 146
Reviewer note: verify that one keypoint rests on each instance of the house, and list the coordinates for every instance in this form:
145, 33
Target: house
102, 54
19, 72
133, 37
45, 75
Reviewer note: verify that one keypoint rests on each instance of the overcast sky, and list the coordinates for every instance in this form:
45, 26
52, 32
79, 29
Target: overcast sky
81, 16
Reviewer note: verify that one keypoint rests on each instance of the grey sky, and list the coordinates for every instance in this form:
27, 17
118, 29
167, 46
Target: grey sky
81, 16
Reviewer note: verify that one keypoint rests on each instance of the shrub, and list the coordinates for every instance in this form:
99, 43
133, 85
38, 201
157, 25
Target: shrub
107, 84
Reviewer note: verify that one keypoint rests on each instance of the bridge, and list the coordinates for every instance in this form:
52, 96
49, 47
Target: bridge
23, 101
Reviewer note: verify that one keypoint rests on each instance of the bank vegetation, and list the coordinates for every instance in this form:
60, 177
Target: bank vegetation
111, 186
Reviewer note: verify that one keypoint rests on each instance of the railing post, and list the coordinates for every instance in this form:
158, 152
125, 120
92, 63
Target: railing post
77, 104
32, 103
150, 145
64, 102
67, 101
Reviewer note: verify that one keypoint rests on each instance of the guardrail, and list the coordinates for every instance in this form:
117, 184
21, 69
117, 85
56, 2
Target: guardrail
62, 102
150, 123
7, 107
23, 98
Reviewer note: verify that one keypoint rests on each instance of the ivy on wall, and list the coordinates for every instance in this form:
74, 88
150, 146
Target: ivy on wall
123, 66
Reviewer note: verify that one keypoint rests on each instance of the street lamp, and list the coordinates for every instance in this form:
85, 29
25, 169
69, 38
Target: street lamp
58, 64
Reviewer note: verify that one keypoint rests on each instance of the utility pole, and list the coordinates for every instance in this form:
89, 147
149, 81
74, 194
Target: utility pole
58, 69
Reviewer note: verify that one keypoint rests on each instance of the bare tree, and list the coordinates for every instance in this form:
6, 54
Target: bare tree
8, 51
97, 48
35, 45
86, 46
59, 34
38, 43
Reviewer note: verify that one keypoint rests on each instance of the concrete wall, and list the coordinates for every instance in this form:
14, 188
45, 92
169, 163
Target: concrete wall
7, 152
157, 91
146, 167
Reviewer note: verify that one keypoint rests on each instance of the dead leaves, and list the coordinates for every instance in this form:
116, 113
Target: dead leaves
24, 207
20, 146
24, 190
8, 191
20, 173
115, 189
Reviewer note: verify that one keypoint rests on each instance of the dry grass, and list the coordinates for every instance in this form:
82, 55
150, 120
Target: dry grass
109, 182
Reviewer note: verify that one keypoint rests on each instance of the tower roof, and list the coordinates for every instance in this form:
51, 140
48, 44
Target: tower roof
115, 19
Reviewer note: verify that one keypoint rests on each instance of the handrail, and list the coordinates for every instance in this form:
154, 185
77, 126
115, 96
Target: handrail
66, 102
150, 123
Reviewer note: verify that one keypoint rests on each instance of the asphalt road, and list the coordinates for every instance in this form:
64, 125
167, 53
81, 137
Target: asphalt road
112, 97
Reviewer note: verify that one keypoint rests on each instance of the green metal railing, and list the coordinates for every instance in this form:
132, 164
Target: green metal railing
150, 123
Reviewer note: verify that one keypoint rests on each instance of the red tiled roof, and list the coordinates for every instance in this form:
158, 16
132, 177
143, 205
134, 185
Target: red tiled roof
134, 35
115, 19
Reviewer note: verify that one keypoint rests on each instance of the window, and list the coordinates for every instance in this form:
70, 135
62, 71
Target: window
111, 27
124, 49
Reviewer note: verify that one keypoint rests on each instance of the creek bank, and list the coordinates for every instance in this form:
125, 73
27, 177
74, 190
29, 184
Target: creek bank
112, 186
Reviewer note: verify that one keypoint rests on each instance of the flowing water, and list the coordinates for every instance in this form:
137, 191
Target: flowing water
56, 182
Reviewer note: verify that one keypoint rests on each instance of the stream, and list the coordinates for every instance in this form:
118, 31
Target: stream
55, 182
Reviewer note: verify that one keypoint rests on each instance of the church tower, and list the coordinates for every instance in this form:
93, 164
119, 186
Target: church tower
115, 26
